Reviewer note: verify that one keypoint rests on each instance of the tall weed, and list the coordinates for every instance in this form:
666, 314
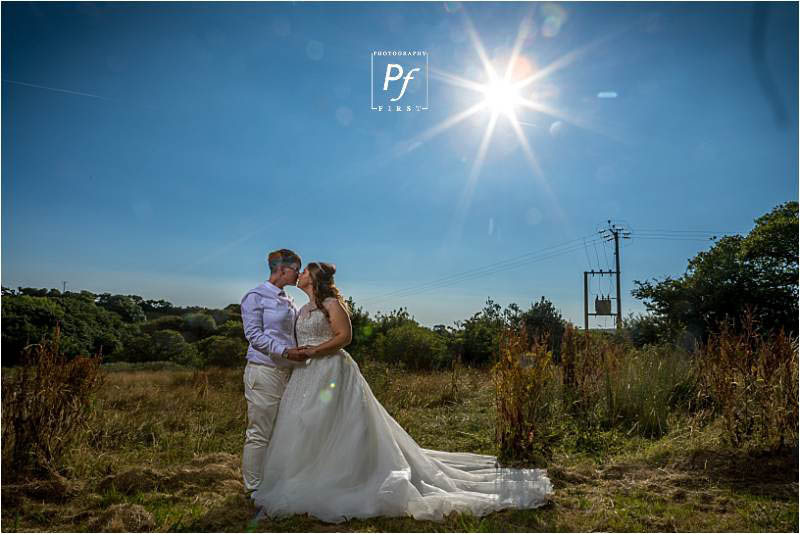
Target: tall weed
45, 402
527, 388
751, 380
612, 384
641, 390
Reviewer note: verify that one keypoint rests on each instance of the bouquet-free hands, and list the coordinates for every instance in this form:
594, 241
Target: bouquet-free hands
301, 353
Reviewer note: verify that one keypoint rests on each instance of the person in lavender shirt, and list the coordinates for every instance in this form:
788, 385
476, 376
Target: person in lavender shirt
268, 317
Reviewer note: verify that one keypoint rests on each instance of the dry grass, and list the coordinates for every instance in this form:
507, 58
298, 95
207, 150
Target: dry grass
45, 403
600, 386
162, 452
528, 398
752, 382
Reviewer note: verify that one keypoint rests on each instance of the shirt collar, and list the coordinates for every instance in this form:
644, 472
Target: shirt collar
278, 291
272, 287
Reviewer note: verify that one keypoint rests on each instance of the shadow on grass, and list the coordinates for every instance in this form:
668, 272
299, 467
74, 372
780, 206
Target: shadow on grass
763, 474
237, 514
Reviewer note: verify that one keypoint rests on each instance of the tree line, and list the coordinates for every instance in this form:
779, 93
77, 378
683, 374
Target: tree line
758, 272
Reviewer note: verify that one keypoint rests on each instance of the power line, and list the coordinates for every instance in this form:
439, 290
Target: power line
541, 255
608, 265
677, 234
664, 238
588, 259
497, 267
457, 275
654, 234
586, 250
478, 275
471, 276
679, 231
596, 256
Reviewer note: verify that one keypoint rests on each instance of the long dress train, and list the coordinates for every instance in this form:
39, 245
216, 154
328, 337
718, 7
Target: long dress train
337, 454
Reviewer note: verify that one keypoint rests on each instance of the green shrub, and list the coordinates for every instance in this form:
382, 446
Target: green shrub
138, 348
479, 338
169, 345
199, 325
395, 318
231, 329
543, 319
165, 322
26, 319
652, 329
125, 306
364, 330
162, 345
220, 351
416, 347
221, 316
84, 327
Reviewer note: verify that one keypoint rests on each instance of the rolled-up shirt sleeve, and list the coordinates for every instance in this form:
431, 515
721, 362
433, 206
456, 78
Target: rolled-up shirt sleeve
252, 312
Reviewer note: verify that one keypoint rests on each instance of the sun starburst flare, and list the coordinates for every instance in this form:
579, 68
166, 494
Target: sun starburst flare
510, 86
502, 97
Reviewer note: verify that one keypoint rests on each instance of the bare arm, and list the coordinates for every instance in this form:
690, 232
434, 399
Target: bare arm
341, 327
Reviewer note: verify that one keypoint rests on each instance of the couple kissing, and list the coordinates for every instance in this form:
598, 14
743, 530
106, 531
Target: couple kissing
318, 442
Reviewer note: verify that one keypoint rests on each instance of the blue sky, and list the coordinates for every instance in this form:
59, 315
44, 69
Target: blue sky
163, 149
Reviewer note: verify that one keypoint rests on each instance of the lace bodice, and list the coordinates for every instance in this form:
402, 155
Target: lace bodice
312, 326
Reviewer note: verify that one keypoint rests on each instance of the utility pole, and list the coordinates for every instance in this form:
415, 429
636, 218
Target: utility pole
619, 289
615, 231
585, 301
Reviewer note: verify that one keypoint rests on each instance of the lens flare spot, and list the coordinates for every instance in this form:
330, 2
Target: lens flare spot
315, 50
557, 129
344, 115
281, 27
333, 385
554, 17
522, 68
533, 216
325, 396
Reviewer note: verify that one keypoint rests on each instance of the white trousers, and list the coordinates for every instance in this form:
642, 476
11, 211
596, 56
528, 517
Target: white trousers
263, 388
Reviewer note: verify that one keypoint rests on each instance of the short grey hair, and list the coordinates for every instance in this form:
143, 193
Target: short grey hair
280, 257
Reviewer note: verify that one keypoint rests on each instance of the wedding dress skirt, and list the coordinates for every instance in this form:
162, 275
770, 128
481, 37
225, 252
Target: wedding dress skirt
336, 454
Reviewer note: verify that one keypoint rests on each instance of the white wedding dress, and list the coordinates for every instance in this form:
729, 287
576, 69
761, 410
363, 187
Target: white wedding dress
336, 453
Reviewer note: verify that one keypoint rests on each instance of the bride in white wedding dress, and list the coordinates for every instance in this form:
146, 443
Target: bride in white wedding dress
336, 453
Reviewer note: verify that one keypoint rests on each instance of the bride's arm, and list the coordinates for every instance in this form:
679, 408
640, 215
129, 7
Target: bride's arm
341, 327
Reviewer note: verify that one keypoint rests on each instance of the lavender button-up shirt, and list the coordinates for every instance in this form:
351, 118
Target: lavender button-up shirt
268, 316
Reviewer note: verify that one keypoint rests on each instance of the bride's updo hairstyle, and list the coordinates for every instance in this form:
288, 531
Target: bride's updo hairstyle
322, 282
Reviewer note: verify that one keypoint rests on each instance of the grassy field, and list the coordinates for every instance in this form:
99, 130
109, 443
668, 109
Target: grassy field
162, 452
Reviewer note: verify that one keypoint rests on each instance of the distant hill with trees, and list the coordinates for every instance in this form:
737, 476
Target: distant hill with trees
758, 271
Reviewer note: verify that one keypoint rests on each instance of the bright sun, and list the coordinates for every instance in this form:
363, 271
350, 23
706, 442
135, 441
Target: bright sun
501, 97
